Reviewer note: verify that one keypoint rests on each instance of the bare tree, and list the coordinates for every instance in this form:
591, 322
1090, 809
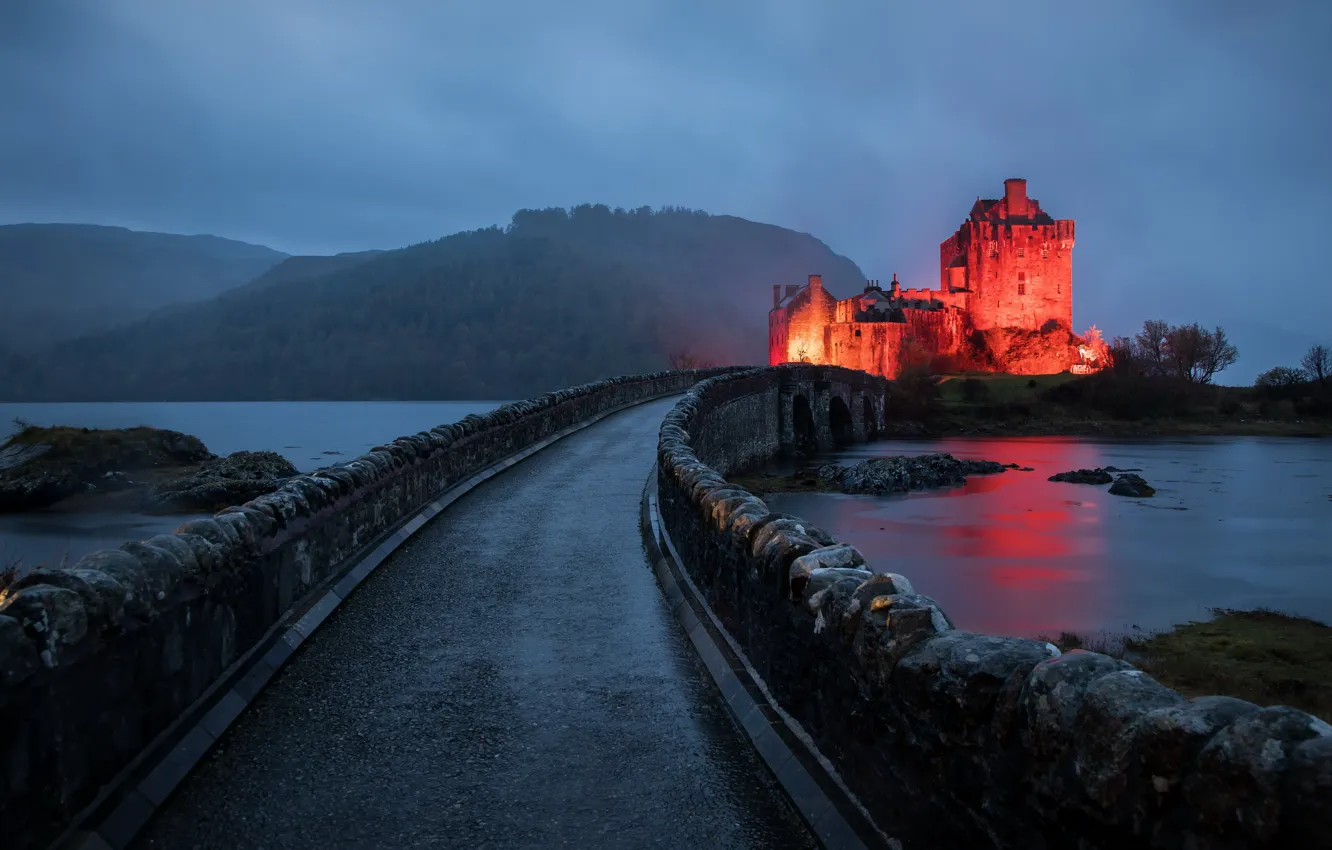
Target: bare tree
1188, 352
1197, 354
687, 360
1150, 346
1124, 356
1318, 365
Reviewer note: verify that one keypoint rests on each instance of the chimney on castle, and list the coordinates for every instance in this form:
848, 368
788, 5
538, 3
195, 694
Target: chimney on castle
816, 281
895, 286
776, 295
1015, 194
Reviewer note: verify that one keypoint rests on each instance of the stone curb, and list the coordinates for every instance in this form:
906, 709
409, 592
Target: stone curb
130, 801
826, 806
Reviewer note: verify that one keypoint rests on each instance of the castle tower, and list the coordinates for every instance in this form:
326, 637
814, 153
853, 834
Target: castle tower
1013, 261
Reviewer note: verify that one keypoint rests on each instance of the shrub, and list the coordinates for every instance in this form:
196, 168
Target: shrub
1129, 396
914, 395
975, 390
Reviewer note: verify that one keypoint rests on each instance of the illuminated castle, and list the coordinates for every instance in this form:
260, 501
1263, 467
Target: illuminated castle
1004, 303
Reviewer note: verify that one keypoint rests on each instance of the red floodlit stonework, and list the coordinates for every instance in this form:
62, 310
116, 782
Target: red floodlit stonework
1004, 304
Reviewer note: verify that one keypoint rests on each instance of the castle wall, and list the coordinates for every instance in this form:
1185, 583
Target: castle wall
874, 347
883, 348
777, 336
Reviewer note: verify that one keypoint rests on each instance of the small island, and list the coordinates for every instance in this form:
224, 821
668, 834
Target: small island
880, 475
141, 470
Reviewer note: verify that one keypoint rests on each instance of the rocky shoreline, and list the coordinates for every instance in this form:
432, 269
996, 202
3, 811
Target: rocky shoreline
141, 470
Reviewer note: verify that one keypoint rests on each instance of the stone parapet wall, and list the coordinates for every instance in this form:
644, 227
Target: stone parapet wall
959, 740
99, 659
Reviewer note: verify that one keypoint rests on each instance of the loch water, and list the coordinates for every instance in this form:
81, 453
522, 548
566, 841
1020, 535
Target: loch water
1236, 522
309, 434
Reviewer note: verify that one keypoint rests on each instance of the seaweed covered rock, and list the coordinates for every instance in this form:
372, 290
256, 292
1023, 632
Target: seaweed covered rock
1084, 476
233, 480
900, 473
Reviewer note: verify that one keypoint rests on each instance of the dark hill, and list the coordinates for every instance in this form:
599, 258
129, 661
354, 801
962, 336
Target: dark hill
62, 280
487, 314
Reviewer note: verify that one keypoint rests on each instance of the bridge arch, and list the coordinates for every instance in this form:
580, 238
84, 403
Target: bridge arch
802, 422
871, 423
839, 421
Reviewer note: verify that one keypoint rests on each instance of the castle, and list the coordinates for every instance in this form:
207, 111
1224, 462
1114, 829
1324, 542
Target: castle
1004, 304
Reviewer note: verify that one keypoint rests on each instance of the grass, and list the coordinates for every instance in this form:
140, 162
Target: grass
1003, 388
1262, 656
66, 439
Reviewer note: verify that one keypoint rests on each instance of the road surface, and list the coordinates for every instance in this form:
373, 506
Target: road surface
510, 677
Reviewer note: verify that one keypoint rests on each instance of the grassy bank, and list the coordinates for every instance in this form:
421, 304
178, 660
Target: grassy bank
1262, 656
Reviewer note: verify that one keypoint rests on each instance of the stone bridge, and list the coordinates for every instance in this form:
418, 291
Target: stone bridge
454, 641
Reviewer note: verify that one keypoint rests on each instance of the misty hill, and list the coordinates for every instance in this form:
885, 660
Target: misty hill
63, 280
555, 299
309, 267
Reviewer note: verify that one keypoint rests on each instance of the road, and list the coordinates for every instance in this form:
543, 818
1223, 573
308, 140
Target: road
511, 677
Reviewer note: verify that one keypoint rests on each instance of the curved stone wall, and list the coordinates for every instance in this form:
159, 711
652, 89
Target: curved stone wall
99, 659
953, 739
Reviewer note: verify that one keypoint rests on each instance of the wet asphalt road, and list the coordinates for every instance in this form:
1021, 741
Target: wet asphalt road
511, 677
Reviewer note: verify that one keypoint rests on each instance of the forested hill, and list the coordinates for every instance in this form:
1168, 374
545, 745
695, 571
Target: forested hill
555, 299
697, 252
63, 280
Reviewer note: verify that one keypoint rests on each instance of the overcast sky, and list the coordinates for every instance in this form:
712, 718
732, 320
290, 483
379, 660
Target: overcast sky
1188, 138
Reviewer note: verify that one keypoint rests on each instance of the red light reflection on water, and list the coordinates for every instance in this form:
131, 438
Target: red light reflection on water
1010, 553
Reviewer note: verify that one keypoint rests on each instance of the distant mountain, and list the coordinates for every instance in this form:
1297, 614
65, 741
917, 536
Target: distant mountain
557, 298
62, 280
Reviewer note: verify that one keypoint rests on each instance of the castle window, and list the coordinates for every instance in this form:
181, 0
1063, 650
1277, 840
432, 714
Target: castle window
857, 331
1022, 252
1022, 289
1022, 275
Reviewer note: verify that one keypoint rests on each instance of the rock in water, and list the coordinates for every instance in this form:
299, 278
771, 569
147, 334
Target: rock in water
1084, 476
42, 466
233, 480
900, 474
1132, 486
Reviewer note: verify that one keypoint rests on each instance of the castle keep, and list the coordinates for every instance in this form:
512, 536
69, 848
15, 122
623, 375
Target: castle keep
1004, 303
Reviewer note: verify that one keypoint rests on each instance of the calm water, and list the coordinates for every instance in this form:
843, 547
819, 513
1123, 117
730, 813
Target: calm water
1236, 523
309, 434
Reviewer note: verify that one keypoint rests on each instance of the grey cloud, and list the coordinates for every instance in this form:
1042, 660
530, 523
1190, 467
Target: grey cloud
1187, 138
